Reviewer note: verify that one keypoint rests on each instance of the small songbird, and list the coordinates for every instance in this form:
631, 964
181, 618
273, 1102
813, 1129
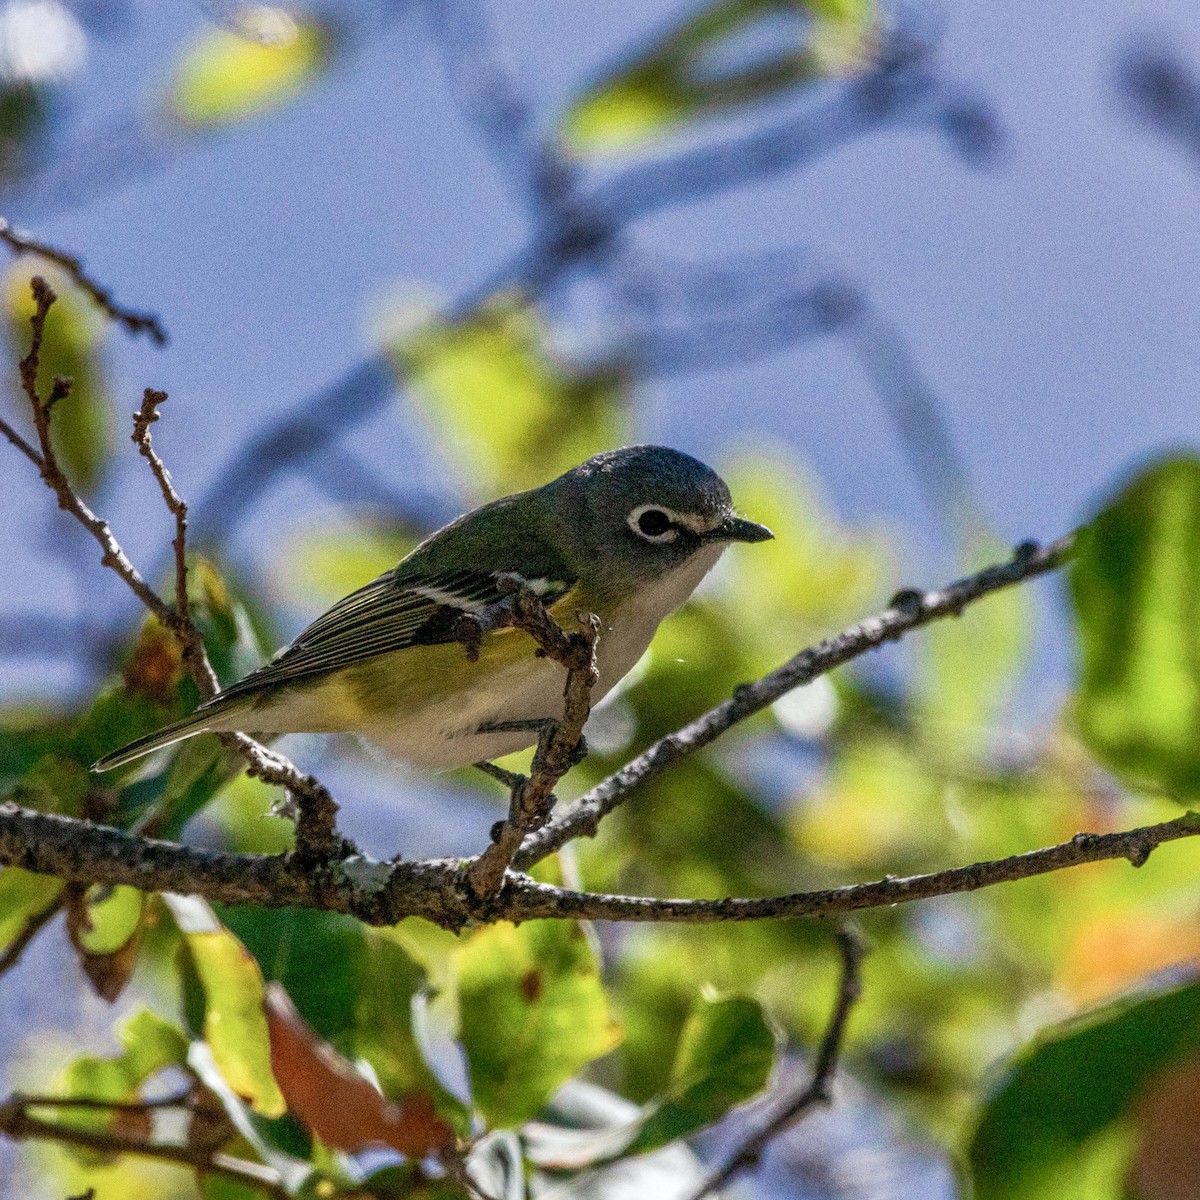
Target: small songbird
626, 535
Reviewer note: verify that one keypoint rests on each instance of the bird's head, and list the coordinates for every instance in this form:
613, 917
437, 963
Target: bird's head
646, 510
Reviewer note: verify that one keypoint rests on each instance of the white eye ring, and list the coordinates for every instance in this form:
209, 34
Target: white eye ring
634, 520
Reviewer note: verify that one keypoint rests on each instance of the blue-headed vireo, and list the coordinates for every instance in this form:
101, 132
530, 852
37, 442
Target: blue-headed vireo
626, 535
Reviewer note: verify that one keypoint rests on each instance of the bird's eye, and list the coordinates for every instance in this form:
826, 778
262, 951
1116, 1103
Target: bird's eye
653, 524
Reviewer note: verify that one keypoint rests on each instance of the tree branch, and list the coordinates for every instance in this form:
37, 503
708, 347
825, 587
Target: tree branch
134, 322
381, 893
17, 1124
818, 1091
909, 610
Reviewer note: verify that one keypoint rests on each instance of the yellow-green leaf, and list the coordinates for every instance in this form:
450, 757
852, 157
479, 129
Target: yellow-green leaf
967, 668
1136, 590
235, 1026
228, 76
81, 425
533, 1011
732, 53
497, 362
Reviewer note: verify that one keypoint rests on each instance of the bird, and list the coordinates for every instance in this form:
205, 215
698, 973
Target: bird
627, 535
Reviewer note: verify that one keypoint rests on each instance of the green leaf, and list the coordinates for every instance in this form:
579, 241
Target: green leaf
81, 426
1135, 585
23, 895
533, 1011
1072, 1084
229, 76
150, 1045
725, 1056
498, 359
700, 68
235, 1026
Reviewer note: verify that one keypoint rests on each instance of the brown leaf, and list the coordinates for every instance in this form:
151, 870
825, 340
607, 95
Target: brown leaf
108, 973
156, 665
326, 1093
1166, 1164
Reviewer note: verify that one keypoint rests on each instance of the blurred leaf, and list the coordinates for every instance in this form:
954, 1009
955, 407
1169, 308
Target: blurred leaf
533, 1011
23, 895
81, 425
235, 1026
408, 1182
1137, 610
322, 565
24, 113
816, 575
498, 360
230, 76
1074, 1082
224, 618
725, 1055
55, 783
731, 53
967, 668
339, 1105
1166, 1162
105, 926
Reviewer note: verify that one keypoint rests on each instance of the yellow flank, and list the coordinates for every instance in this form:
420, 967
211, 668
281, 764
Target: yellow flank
405, 681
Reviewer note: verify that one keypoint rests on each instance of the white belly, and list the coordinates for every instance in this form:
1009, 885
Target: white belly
453, 732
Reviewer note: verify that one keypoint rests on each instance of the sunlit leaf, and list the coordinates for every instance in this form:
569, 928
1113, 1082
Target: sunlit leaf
498, 360
319, 567
235, 1026
725, 1055
1137, 610
733, 53
228, 76
1074, 1083
533, 1011
81, 425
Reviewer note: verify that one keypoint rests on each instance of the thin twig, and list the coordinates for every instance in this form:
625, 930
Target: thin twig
134, 322
17, 1124
46, 461
180, 1100
530, 800
182, 625
909, 610
316, 833
819, 1090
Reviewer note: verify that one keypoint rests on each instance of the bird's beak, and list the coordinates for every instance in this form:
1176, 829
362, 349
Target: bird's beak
735, 529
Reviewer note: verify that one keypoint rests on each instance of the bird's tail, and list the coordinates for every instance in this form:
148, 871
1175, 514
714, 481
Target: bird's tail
206, 719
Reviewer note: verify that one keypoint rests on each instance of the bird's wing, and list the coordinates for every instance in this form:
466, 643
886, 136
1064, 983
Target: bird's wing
390, 613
